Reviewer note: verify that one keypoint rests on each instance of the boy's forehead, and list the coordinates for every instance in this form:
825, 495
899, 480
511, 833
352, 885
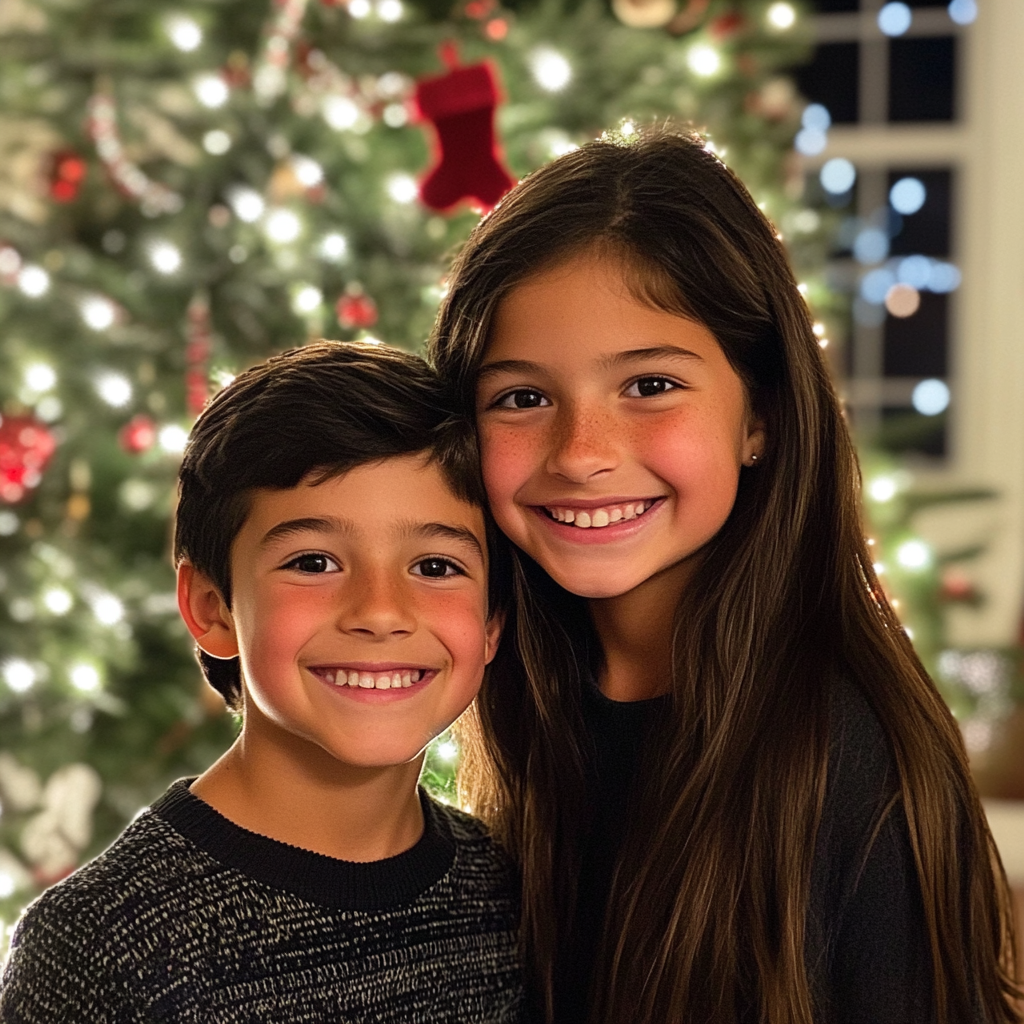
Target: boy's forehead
399, 492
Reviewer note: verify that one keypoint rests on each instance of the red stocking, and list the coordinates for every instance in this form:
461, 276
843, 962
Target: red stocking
461, 105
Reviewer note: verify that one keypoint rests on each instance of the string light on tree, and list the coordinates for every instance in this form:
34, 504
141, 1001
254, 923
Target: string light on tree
211, 90
184, 32
551, 70
33, 281
704, 60
19, 675
115, 389
780, 16
165, 257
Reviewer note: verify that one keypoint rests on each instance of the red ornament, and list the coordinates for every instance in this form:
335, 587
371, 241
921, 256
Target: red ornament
66, 175
356, 310
26, 446
726, 25
137, 435
461, 105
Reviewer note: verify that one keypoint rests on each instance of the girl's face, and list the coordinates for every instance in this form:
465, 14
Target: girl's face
612, 433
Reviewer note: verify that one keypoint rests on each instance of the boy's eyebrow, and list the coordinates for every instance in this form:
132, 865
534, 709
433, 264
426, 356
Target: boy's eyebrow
445, 530
309, 524
630, 356
333, 524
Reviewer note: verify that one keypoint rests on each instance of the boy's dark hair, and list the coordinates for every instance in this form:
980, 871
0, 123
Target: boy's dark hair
316, 412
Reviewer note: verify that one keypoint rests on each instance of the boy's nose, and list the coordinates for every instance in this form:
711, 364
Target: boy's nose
374, 608
582, 443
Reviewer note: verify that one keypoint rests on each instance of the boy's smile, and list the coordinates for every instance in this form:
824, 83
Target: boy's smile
359, 611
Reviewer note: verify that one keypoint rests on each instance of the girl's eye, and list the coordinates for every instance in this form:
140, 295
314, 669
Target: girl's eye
647, 387
522, 398
436, 568
313, 564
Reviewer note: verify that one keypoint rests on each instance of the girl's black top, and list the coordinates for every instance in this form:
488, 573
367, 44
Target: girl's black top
866, 950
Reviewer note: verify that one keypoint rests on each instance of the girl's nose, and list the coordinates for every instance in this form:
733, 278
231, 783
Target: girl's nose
582, 443
373, 608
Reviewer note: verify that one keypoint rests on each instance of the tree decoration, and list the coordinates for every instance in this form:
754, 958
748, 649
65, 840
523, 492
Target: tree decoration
461, 105
26, 446
644, 13
130, 179
66, 175
270, 77
689, 18
355, 309
137, 435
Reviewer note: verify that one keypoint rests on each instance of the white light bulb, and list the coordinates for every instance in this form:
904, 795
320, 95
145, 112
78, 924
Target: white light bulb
211, 90
57, 600
390, 10
781, 16
115, 389
704, 60
340, 112
216, 142
165, 257
402, 188
33, 281
184, 33
172, 439
247, 203
551, 70
108, 609
308, 172
282, 226
40, 377
84, 677
19, 675
914, 554
307, 299
882, 488
359, 8
334, 247
98, 313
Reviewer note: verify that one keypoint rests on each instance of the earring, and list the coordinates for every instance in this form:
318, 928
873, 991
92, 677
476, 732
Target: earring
754, 458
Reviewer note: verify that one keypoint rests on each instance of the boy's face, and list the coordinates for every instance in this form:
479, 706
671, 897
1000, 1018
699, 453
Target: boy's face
360, 610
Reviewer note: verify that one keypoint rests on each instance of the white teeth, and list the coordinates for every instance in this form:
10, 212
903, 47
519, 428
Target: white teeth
353, 679
383, 682
406, 678
396, 680
366, 681
600, 517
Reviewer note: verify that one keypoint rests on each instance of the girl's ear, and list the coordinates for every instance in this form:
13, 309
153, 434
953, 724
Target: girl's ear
753, 447
492, 635
205, 613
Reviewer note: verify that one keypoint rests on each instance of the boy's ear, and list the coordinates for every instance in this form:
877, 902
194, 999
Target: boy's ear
208, 618
492, 636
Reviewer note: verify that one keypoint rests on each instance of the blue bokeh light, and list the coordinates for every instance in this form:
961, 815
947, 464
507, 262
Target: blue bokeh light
875, 286
963, 12
871, 246
943, 277
931, 397
894, 18
915, 271
908, 195
838, 175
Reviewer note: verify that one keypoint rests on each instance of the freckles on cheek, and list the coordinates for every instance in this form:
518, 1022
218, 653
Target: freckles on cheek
506, 460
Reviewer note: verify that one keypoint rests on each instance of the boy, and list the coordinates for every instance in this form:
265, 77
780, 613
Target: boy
333, 568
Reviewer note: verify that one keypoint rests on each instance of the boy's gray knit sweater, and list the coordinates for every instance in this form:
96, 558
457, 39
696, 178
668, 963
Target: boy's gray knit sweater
189, 918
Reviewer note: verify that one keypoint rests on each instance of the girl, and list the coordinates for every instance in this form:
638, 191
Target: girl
732, 790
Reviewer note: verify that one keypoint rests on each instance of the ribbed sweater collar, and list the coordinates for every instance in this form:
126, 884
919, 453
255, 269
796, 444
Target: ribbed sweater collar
333, 883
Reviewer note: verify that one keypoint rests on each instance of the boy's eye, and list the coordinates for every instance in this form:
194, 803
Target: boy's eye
646, 387
313, 564
436, 568
521, 398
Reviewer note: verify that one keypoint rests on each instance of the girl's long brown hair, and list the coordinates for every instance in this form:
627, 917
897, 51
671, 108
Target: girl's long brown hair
706, 920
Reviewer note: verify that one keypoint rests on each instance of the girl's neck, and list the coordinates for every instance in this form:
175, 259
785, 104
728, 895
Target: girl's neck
635, 631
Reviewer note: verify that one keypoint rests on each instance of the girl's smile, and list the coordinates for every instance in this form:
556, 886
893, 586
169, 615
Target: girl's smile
612, 433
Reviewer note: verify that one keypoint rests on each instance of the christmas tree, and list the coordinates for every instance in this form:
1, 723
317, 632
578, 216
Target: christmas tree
188, 187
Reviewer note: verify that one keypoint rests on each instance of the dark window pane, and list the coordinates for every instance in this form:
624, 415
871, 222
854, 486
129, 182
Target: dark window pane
834, 6
916, 346
927, 231
906, 430
922, 79
831, 79
926, 3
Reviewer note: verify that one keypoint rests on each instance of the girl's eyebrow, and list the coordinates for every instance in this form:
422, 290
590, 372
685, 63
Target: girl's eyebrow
630, 356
